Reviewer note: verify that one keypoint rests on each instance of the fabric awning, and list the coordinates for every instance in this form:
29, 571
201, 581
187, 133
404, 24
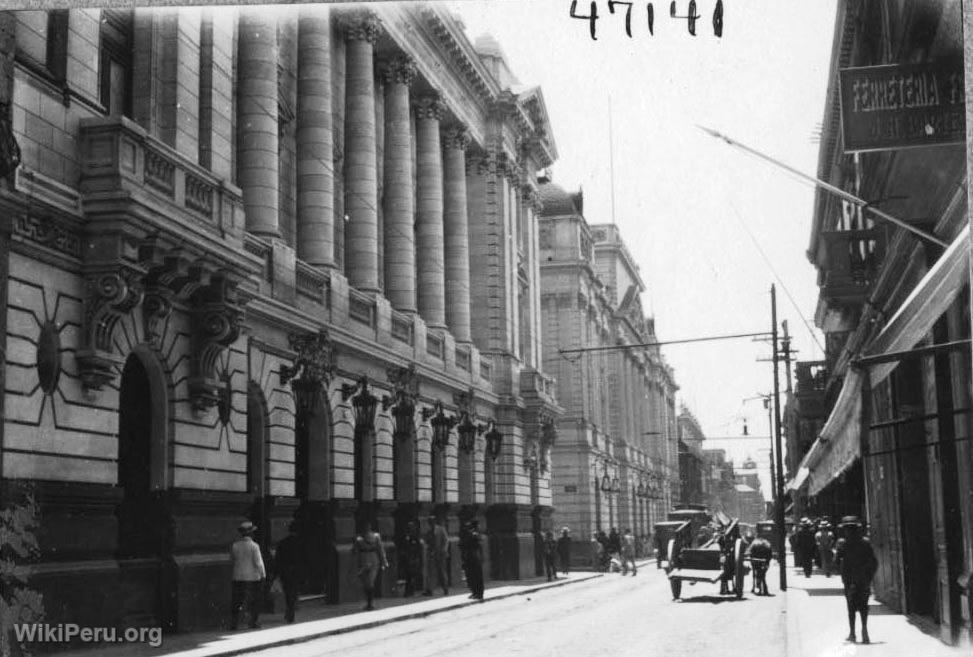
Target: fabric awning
839, 444
923, 307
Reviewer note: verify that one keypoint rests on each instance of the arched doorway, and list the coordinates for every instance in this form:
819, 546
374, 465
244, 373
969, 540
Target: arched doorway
144, 523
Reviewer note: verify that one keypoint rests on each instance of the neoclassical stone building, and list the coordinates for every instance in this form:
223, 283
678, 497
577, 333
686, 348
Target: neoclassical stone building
269, 264
616, 460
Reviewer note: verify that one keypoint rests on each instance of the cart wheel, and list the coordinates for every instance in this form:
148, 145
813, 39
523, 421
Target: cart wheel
676, 586
738, 572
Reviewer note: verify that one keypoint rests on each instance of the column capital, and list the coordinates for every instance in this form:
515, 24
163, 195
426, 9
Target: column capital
456, 136
430, 106
361, 26
400, 70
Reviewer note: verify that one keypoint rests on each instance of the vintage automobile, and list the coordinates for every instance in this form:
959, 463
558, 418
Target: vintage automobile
721, 557
768, 529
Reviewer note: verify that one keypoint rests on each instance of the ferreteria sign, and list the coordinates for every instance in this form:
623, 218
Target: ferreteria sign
902, 106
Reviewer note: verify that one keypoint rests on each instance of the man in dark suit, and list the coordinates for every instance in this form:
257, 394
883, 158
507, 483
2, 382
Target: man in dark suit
857, 562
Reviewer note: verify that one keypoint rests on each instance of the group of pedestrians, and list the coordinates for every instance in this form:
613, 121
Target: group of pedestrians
813, 542
423, 565
615, 552
557, 553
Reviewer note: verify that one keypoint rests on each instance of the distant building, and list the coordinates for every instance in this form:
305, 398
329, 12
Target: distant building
615, 461
693, 477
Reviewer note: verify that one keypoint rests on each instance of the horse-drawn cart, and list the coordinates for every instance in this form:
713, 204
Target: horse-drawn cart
721, 558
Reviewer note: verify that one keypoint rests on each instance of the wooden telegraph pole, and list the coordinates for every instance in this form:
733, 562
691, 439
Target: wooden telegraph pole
779, 484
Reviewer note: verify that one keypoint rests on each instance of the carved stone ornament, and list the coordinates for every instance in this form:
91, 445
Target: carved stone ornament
430, 106
401, 70
217, 323
456, 136
315, 364
109, 296
548, 436
361, 25
402, 401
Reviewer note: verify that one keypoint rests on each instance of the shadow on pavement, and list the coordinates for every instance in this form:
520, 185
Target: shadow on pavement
714, 599
824, 591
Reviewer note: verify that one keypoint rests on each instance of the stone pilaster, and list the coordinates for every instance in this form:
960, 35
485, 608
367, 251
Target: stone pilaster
216, 95
400, 248
361, 185
456, 233
315, 184
257, 136
429, 223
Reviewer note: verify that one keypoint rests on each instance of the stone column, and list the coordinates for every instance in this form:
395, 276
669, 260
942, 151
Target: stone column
315, 183
257, 140
429, 223
400, 247
360, 175
456, 234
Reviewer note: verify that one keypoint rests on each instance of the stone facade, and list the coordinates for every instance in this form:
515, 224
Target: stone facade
213, 311
616, 460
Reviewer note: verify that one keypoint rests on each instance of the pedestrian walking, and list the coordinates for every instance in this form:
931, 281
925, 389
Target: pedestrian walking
597, 552
564, 550
614, 544
437, 551
628, 552
471, 556
550, 554
369, 560
805, 546
289, 565
248, 576
857, 564
761, 553
411, 552
605, 550
825, 541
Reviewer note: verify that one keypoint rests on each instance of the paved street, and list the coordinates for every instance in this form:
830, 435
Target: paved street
610, 615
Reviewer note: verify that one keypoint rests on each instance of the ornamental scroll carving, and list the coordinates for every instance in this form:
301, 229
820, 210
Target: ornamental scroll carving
109, 296
217, 321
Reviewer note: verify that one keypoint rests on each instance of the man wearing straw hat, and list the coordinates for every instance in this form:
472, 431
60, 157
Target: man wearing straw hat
858, 564
248, 576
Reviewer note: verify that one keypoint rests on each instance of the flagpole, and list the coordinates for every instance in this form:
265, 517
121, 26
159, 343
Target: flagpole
829, 187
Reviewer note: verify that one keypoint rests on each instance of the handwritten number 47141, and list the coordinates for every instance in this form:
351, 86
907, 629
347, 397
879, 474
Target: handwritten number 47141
691, 16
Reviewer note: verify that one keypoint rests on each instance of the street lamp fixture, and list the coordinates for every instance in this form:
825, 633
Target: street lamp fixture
441, 425
606, 482
468, 431
363, 404
494, 441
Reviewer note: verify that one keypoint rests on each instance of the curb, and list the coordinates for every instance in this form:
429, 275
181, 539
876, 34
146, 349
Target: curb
303, 638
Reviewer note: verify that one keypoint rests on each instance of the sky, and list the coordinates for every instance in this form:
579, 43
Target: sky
686, 203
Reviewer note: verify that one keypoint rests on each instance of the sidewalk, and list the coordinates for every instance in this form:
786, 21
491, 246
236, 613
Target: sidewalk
817, 623
316, 620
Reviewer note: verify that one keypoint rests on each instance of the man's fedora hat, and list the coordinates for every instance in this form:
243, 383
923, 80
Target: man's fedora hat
850, 521
247, 527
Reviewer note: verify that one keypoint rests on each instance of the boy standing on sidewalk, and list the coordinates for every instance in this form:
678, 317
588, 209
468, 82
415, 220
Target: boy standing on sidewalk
858, 564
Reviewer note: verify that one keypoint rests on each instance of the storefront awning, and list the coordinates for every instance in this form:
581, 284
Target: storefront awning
928, 301
839, 444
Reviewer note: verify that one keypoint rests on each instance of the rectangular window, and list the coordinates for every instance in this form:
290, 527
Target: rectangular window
116, 61
57, 44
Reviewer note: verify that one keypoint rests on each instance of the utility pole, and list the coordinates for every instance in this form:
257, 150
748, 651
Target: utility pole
786, 348
779, 510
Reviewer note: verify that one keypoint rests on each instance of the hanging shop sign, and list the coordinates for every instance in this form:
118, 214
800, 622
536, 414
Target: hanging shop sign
902, 106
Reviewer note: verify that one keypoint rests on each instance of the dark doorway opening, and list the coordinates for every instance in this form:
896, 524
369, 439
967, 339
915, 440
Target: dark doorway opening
314, 517
919, 550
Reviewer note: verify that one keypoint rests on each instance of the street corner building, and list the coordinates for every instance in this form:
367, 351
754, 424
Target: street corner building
278, 265
616, 462
881, 427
